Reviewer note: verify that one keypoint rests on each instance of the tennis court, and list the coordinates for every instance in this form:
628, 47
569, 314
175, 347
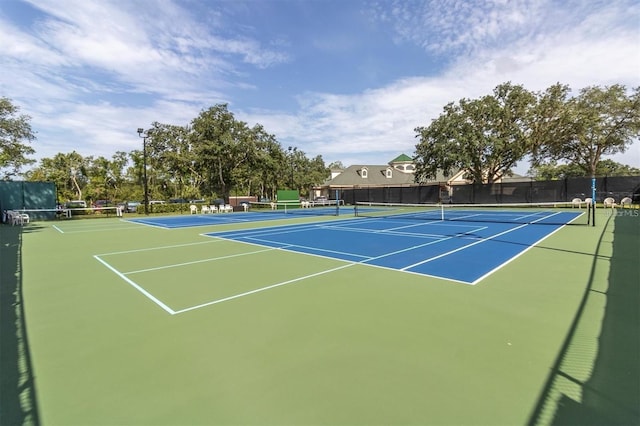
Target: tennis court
336, 320
460, 250
262, 212
418, 242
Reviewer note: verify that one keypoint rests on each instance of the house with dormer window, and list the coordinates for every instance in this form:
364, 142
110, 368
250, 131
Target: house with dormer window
398, 172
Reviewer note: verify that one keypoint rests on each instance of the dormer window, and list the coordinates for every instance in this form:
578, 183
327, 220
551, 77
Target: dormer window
389, 173
364, 172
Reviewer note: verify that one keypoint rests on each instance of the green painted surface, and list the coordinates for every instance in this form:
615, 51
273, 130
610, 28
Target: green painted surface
538, 342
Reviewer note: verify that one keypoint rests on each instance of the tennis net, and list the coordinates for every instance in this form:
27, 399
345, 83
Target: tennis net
559, 213
69, 213
324, 208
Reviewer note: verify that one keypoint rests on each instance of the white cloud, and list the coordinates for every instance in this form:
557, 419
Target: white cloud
160, 49
163, 64
460, 26
381, 122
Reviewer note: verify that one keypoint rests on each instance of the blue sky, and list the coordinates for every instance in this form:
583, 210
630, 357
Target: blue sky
349, 80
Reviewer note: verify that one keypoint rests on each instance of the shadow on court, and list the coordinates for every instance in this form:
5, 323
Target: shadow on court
17, 388
596, 377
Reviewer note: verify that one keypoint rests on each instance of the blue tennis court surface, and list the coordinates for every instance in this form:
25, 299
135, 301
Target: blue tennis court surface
458, 250
190, 220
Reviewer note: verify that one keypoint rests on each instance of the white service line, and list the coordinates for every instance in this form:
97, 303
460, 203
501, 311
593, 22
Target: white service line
212, 259
137, 287
482, 240
258, 290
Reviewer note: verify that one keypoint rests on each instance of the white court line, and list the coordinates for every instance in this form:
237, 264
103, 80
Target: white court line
529, 215
482, 240
212, 259
271, 230
434, 222
143, 223
159, 248
211, 220
284, 246
349, 264
314, 250
408, 249
243, 234
517, 255
137, 287
383, 232
80, 228
391, 231
258, 290
97, 230
522, 252
365, 258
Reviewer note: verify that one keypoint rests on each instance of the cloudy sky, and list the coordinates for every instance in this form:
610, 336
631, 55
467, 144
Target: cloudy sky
345, 79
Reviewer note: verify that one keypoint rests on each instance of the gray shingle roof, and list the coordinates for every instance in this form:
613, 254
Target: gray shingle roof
377, 175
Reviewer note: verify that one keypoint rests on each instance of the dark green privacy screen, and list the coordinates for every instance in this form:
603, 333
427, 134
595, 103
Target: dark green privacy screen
27, 195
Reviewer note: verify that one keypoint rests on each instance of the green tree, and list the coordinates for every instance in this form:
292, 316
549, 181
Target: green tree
485, 137
70, 173
336, 165
106, 178
611, 168
15, 136
134, 174
599, 121
269, 160
173, 163
314, 173
258, 175
552, 170
221, 144
213, 157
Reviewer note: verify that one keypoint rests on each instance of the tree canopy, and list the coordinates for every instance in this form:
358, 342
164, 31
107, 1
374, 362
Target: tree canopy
599, 121
217, 155
486, 137
15, 138
214, 156
553, 171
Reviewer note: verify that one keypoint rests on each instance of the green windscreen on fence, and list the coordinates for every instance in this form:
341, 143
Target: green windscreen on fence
27, 195
288, 195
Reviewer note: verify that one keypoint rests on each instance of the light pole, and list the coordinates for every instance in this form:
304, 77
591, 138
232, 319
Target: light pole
144, 137
292, 151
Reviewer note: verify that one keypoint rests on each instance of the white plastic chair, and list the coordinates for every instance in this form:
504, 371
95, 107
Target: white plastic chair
626, 201
204, 209
193, 208
576, 202
14, 217
609, 202
18, 218
213, 209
